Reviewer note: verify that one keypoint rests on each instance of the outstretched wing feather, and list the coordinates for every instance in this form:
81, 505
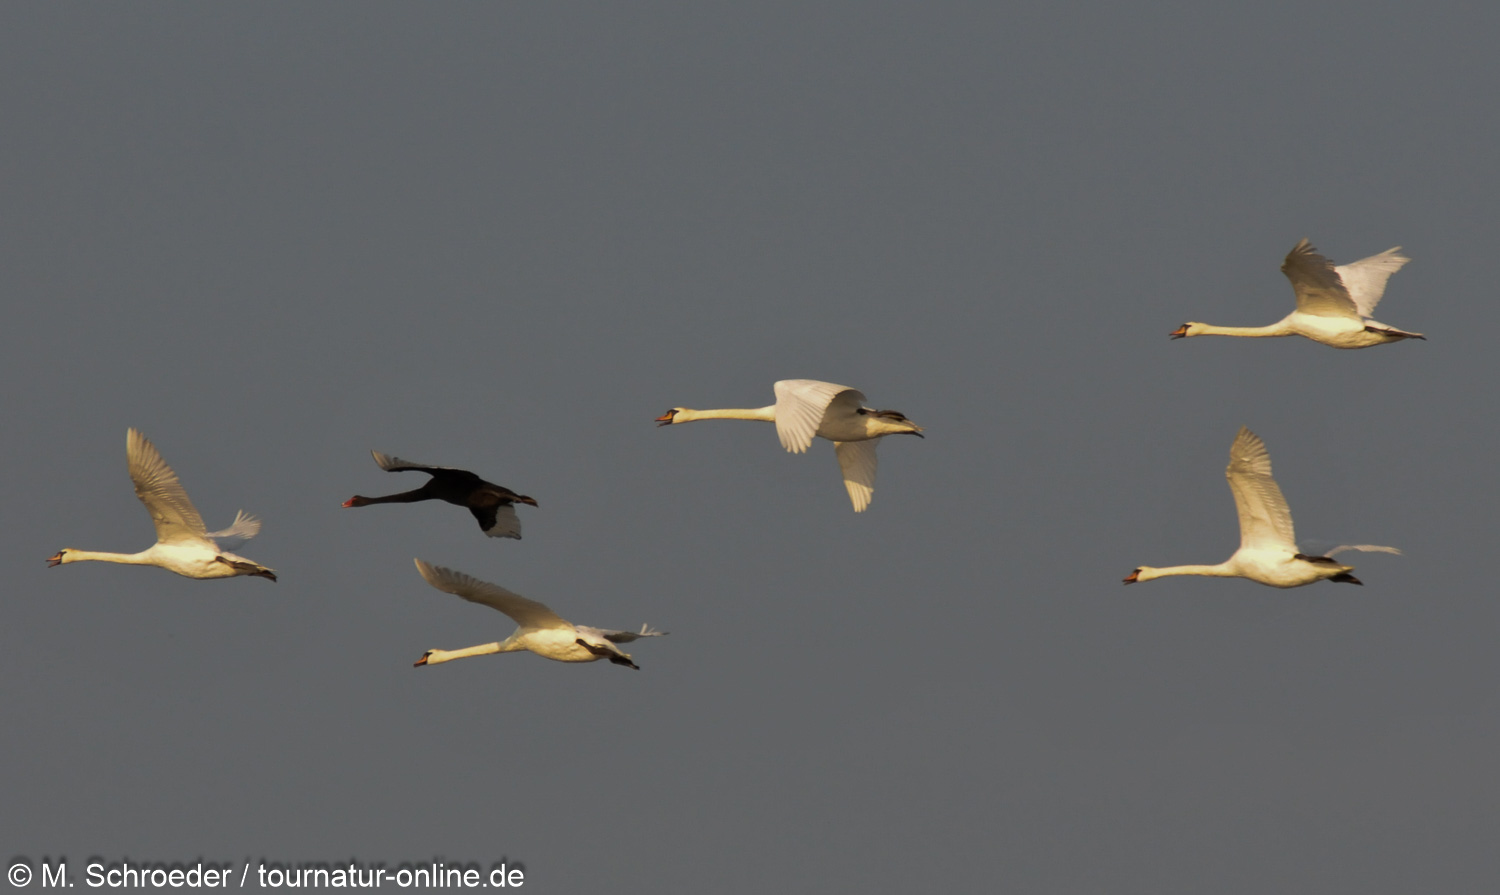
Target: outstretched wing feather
627, 636
800, 405
1365, 279
396, 464
1318, 288
157, 486
244, 527
857, 461
498, 521
1363, 548
1265, 519
526, 613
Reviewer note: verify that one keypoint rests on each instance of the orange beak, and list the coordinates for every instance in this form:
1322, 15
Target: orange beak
1178, 333
1133, 577
54, 560
666, 418
420, 662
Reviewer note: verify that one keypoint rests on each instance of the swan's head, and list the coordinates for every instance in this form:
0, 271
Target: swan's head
1142, 573
893, 422
1190, 328
428, 658
356, 501
58, 558
669, 417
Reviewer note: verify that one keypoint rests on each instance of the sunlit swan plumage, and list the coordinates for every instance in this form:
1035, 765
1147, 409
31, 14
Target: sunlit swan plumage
1268, 545
183, 544
493, 506
806, 408
540, 629
1334, 304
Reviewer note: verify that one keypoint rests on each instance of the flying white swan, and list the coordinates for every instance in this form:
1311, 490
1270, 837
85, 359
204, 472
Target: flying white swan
1268, 546
1334, 304
807, 407
540, 629
183, 545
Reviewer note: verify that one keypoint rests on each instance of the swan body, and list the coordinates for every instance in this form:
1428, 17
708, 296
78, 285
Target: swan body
1268, 544
540, 630
493, 506
183, 544
1334, 304
807, 408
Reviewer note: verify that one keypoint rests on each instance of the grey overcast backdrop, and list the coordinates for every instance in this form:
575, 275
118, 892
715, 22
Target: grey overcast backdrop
507, 236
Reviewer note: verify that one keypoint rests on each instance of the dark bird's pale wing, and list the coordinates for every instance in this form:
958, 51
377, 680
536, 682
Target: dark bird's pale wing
396, 464
498, 521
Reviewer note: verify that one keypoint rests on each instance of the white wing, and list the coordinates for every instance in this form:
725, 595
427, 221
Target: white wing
857, 460
176, 518
1363, 548
800, 405
1265, 520
244, 527
396, 464
627, 636
507, 523
1319, 290
1365, 278
527, 613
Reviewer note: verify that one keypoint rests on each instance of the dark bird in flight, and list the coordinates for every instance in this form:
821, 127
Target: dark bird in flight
491, 504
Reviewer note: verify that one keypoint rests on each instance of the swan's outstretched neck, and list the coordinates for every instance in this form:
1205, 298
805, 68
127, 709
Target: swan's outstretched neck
1146, 573
1279, 328
688, 415
74, 555
437, 656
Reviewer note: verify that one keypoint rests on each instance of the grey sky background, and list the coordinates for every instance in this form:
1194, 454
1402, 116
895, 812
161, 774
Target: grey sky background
505, 237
